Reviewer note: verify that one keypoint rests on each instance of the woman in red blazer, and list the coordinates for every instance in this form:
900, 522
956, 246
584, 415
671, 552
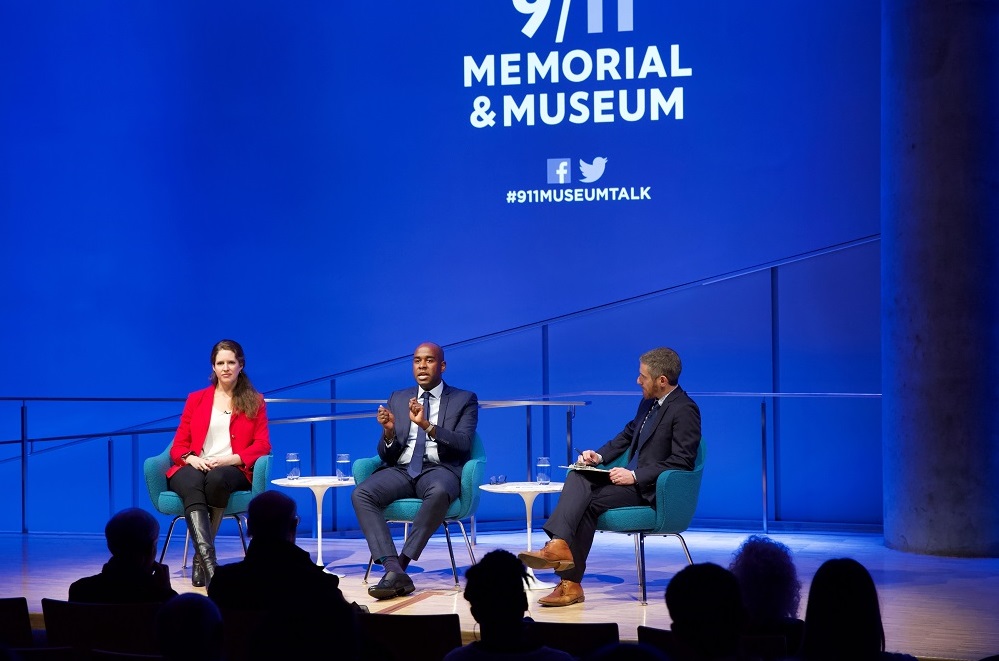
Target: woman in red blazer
222, 432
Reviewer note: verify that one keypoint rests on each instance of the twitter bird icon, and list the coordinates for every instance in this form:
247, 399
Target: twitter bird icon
592, 171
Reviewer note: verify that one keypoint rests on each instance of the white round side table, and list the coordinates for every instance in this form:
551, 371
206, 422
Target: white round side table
528, 491
319, 484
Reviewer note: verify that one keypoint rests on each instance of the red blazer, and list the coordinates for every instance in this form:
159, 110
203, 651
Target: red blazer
250, 438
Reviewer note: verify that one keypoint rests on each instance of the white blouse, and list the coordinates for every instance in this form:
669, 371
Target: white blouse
218, 443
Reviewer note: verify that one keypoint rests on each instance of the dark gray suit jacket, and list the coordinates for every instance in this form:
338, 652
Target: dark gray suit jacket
673, 443
456, 421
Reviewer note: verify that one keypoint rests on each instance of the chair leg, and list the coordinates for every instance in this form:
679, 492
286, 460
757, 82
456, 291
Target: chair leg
450, 552
242, 535
371, 563
187, 546
638, 557
641, 567
685, 551
468, 544
166, 543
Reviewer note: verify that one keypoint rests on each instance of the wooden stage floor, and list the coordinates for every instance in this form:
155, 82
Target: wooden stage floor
940, 608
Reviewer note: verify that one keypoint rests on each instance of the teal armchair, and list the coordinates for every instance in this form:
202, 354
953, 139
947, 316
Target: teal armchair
676, 500
169, 502
404, 510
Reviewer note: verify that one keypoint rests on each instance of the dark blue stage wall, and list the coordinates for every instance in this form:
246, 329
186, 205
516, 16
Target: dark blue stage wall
332, 182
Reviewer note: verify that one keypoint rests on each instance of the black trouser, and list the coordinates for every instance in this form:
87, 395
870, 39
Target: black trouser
436, 485
211, 489
585, 496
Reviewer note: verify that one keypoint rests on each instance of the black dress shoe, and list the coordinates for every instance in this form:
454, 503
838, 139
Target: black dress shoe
393, 584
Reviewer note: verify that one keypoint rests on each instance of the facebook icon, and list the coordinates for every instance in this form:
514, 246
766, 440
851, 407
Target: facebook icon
559, 171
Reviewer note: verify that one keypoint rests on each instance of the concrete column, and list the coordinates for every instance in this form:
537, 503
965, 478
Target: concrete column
940, 275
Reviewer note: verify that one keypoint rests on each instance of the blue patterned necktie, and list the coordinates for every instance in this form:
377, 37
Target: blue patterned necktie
641, 436
416, 462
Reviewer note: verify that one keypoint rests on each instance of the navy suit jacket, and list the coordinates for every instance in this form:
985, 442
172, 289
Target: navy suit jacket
673, 443
456, 420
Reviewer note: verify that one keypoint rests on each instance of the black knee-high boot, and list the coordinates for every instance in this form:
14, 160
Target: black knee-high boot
199, 523
197, 571
216, 514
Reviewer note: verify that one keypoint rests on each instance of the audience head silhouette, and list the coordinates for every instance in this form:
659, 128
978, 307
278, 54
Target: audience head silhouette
131, 536
767, 578
272, 516
843, 616
705, 605
132, 575
276, 603
494, 588
189, 628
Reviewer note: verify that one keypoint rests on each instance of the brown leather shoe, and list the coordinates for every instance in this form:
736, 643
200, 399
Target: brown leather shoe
554, 555
565, 593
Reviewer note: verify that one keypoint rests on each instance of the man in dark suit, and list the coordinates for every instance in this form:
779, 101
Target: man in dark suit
664, 435
426, 438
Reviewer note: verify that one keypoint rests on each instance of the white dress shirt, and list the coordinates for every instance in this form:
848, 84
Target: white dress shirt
431, 416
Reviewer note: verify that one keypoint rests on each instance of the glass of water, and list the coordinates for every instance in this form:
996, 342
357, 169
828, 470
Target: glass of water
294, 465
544, 470
343, 467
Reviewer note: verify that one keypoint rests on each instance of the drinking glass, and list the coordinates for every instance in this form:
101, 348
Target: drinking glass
294, 465
343, 467
544, 469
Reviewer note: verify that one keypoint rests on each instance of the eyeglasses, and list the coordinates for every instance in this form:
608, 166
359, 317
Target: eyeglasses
497, 479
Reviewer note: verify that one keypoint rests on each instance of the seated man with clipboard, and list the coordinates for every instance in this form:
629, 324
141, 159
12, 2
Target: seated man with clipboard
664, 435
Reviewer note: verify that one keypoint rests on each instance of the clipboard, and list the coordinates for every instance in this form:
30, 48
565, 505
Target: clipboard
585, 467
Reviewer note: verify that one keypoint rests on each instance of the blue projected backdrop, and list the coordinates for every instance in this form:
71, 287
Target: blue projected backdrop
287, 174
331, 183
